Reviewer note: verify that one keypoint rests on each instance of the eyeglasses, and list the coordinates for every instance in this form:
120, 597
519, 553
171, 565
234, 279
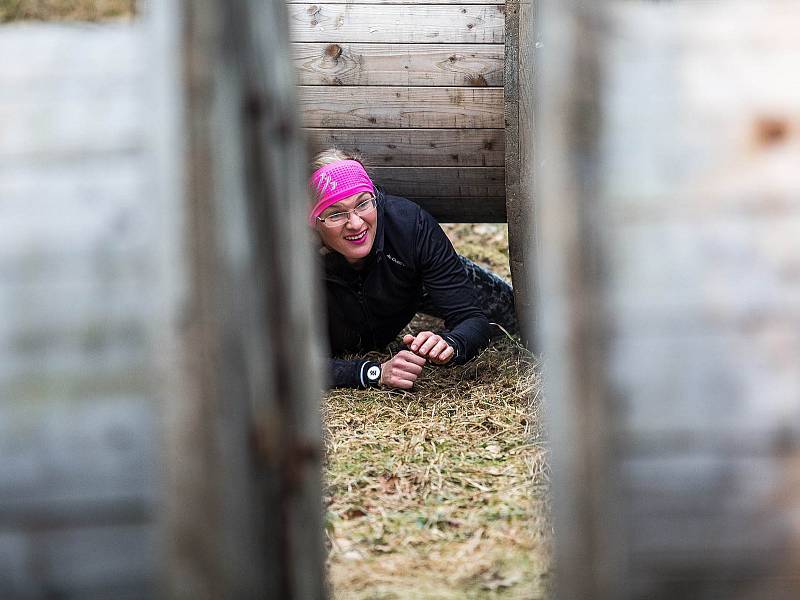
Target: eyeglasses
362, 209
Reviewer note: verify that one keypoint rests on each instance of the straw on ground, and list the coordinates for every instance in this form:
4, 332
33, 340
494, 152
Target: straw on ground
441, 492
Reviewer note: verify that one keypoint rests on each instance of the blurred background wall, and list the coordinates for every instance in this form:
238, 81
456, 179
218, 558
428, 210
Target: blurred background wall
668, 192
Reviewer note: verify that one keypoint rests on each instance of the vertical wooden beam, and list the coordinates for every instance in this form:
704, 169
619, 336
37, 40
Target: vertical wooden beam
572, 313
668, 197
243, 478
520, 207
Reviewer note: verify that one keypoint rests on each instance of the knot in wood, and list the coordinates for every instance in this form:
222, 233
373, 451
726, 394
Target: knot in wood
478, 81
771, 131
333, 51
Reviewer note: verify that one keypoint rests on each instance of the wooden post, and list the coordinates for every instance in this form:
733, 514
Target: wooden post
160, 373
244, 475
668, 195
78, 397
519, 160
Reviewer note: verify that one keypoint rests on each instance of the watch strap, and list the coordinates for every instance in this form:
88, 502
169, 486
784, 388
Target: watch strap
370, 374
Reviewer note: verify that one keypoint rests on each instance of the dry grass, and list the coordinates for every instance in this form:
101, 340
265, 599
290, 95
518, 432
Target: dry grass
65, 10
441, 492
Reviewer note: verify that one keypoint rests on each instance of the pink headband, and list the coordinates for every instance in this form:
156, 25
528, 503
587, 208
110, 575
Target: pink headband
335, 181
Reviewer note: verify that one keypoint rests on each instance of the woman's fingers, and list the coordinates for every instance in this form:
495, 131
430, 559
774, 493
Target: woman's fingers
410, 357
444, 357
402, 370
418, 340
429, 344
447, 354
436, 351
425, 342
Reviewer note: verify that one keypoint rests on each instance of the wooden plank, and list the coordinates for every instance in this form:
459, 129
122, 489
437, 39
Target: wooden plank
459, 182
70, 454
103, 116
78, 432
698, 400
427, 108
668, 264
478, 65
464, 210
520, 161
410, 2
587, 510
95, 562
699, 482
244, 419
397, 23
415, 147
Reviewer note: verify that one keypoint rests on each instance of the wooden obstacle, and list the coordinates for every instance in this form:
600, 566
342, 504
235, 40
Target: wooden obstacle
668, 203
417, 89
437, 97
158, 436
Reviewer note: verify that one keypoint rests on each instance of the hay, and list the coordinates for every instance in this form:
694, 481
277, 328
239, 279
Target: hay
66, 10
440, 492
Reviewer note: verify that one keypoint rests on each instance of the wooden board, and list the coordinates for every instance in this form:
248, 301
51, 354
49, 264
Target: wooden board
466, 182
395, 23
244, 429
668, 267
464, 210
409, 2
478, 65
80, 404
415, 147
358, 107
519, 160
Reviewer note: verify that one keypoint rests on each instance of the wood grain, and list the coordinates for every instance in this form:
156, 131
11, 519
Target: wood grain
415, 147
79, 411
359, 107
464, 210
397, 23
478, 65
668, 270
458, 182
409, 2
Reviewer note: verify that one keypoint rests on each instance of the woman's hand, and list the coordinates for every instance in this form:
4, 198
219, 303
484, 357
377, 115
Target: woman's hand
431, 346
402, 370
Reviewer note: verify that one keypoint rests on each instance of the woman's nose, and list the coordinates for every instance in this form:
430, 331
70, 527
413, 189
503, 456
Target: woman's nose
350, 219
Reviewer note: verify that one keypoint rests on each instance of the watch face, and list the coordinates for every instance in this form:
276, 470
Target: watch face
374, 372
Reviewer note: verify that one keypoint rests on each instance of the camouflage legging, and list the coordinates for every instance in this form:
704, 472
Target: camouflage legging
495, 297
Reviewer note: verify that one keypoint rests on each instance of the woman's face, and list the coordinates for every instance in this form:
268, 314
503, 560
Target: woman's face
354, 237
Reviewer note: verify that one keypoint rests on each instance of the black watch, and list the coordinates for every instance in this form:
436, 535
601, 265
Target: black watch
371, 374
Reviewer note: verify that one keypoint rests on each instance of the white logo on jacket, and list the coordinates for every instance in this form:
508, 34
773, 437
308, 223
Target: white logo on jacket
395, 260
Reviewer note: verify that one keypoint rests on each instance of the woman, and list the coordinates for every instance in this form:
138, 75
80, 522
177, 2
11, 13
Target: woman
385, 259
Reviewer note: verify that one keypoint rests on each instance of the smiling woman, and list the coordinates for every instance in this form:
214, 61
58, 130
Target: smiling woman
385, 259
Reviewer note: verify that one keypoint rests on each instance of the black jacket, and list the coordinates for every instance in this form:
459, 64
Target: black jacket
367, 308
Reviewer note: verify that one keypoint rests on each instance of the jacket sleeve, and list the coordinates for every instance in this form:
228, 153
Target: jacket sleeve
450, 290
347, 373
